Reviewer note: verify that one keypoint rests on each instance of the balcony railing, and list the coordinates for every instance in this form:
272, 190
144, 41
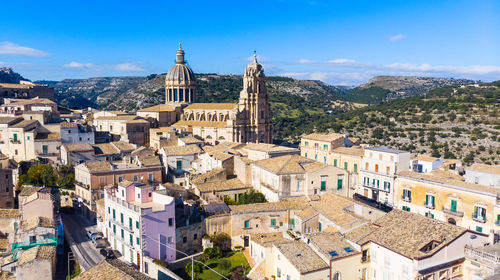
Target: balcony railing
453, 212
430, 206
123, 203
406, 198
479, 253
480, 219
15, 141
122, 225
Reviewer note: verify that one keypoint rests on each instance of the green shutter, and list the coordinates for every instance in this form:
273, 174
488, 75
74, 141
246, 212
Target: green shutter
427, 200
273, 222
453, 206
409, 194
484, 214
433, 201
345, 165
479, 229
123, 234
130, 223
355, 168
138, 241
498, 218
378, 183
323, 185
335, 162
114, 214
247, 224
292, 222
339, 184
319, 226
121, 218
137, 224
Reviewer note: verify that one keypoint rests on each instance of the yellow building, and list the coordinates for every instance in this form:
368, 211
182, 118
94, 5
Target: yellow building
319, 146
445, 196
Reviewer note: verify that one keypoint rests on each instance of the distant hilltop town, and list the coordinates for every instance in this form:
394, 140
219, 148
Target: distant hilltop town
185, 188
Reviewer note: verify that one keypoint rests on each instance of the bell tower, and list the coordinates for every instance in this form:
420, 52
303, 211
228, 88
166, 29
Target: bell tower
255, 120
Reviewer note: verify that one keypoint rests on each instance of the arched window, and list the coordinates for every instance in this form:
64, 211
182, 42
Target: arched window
336, 276
222, 138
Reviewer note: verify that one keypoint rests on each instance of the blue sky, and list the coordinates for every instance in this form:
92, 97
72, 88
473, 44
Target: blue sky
339, 42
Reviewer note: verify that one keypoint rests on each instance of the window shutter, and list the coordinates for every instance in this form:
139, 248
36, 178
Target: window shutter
427, 200
433, 201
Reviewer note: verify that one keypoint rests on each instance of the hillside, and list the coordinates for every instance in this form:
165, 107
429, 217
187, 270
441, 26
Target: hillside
383, 88
454, 122
292, 101
7, 75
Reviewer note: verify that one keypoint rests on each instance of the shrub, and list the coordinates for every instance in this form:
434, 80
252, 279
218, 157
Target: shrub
224, 264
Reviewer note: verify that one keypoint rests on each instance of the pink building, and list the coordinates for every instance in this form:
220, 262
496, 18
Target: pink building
140, 221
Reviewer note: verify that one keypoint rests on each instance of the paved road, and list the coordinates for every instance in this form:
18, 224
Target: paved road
75, 233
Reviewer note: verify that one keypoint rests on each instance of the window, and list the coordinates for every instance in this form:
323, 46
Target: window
114, 229
6, 176
131, 240
138, 241
380, 156
170, 222
114, 214
28, 137
387, 262
184, 239
316, 145
479, 213
316, 157
136, 224
325, 147
109, 210
179, 164
479, 229
323, 183
335, 162
387, 186
345, 165
122, 234
406, 195
299, 186
376, 167
121, 218
339, 184
292, 223
195, 236
319, 226
406, 208
305, 155
430, 201
366, 166
336, 276
151, 177
273, 222
261, 114
120, 178
429, 215
169, 239
453, 205
247, 224
307, 144
130, 223
324, 159
136, 178
355, 168
387, 170
146, 268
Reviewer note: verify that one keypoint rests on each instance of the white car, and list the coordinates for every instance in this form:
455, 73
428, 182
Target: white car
91, 233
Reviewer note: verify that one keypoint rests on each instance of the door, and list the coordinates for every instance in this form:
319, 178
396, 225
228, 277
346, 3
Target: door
179, 164
245, 241
453, 206
375, 195
366, 193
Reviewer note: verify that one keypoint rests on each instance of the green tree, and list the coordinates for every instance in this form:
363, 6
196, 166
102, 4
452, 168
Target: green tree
197, 268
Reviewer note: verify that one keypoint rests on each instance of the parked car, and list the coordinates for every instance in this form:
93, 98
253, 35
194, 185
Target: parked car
107, 253
91, 233
98, 241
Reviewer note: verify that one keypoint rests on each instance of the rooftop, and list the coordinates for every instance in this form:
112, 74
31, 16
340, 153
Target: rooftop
119, 118
301, 256
206, 176
112, 270
182, 150
325, 137
158, 108
306, 213
78, 147
334, 208
268, 239
190, 140
212, 106
30, 101
105, 149
293, 203
223, 147
426, 158
386, 150
9, 120
94, 166
29, 190
68, 125
24, 124
9, 213
36, 253
36, 222
268, 148
289, 164
448, 178
220, 155
149, 160
331, 244
409, 233
486, 168
353, 151
231, 184
201, 123
123, 146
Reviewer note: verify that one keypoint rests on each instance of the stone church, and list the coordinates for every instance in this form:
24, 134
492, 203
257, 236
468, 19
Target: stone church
248, 121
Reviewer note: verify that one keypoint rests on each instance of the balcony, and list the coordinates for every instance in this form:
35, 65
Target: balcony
406, 198
123, 203
430, 206
453, 212
121, 225
480, 219
15, 141
479, 253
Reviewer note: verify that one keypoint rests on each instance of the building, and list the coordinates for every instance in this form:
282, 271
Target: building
76, 133
423, 163
402, 245
140, 221
378, 171
19, 143
294, 175
38, 262
444, 196
249, 120
318, 146
296, 260
161, 115
129, 128
217, 191
8, 175
177, 161
28, 108
112, 270
75, 154
482, 262
26, 89
483, 174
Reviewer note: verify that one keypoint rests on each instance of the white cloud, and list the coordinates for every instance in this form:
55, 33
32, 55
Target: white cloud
473, 69
129, 67
74, 64
306, 61
397, 37
9, 48
342, 61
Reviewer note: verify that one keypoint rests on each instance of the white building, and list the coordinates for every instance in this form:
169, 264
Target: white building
72, 133
483, 174
177, 161
140, 221
378, 171
424, 164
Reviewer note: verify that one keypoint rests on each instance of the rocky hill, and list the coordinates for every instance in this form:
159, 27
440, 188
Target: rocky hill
383, 88
7, 75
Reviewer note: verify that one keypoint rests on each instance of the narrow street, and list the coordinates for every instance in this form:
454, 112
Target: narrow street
75, 233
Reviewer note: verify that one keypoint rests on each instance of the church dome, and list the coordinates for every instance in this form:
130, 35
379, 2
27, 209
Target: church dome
180, 74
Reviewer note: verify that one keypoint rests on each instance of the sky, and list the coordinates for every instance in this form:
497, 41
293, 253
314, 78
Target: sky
338, 42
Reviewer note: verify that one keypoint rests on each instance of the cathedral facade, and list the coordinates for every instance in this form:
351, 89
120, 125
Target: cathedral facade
248, 121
